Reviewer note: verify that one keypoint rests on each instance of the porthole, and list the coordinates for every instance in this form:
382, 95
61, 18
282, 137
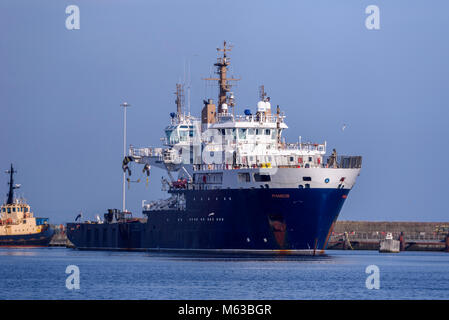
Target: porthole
300, 186
327, 180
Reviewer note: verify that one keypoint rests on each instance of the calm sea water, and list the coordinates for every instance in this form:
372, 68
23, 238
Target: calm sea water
39, 273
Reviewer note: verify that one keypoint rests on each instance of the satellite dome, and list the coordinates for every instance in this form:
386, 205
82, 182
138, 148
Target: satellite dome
267, 105
224, 106
261, 106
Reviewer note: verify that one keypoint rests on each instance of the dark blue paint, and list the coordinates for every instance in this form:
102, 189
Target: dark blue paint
272, 219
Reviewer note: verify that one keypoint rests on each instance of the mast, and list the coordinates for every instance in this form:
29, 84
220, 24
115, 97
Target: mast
222, 65
262, 93
11, 185
125, 105
179, 99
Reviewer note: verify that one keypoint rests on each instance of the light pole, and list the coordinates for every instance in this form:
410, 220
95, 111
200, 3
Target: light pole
124, 105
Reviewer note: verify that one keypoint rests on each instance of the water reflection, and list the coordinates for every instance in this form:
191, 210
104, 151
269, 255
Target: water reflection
239, 257
18, 251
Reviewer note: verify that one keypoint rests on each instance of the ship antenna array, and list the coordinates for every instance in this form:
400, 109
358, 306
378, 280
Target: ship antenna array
222, 65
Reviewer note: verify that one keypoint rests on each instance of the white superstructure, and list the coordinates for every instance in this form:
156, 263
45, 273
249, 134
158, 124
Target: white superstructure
225, 150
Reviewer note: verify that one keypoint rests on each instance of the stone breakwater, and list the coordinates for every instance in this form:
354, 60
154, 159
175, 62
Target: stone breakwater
366, 235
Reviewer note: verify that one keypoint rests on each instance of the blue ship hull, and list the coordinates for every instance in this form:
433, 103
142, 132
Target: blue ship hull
246, 220
41, 239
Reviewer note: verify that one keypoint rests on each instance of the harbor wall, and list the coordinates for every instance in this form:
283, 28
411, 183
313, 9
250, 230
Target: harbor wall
366, 235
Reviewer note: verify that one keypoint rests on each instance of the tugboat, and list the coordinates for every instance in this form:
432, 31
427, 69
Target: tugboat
18, 226
234, 184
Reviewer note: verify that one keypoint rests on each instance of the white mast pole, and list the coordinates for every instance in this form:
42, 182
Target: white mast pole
124, 105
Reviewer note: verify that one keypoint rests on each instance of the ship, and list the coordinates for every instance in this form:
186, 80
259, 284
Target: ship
233, 184
18, 226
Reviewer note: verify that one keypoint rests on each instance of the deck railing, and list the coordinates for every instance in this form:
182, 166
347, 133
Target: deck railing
145, 152
224, 117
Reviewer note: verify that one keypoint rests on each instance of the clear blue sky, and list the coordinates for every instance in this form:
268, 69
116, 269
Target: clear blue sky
61, 123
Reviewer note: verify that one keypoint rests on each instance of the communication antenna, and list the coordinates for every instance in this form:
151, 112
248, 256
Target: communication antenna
188, 84
222, 65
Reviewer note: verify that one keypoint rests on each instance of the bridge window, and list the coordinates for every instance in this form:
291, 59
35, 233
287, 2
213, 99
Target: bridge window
172, 136
267, 132
244, 177
230, 132
183, 135
258, 132
262, 177
251, 131
242, 133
